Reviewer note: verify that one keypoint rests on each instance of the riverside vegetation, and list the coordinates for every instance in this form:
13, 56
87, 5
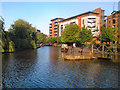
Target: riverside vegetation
21, 35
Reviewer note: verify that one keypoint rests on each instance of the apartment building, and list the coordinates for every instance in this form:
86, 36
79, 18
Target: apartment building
114, 21
54, 27
92, 20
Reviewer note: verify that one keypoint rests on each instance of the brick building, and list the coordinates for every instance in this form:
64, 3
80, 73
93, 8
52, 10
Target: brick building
54, 27
92, 20
114, 21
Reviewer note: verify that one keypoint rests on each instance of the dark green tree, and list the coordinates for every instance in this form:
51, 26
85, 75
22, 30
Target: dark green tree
23, 34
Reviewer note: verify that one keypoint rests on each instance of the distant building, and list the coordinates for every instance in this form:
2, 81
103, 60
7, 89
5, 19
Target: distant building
54, 27
38, 30
114, 21
92, 20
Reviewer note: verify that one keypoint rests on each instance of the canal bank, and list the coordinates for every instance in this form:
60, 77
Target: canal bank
46, 68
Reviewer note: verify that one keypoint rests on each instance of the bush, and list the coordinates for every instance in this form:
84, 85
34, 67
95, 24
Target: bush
11, 46
33, 44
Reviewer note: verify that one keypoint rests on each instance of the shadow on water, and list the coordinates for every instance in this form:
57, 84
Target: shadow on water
46, 67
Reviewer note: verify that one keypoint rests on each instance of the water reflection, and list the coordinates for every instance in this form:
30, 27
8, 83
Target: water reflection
46, 67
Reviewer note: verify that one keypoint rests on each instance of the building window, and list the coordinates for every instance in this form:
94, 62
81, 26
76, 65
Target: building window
83, 21
113, 26
109, 21
102, 17
113, 21
118, 20
117, 25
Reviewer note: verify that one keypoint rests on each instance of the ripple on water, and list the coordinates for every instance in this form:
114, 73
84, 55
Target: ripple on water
46, 68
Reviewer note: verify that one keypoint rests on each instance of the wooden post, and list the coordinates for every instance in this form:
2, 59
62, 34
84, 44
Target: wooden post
92, 51
115, 47
92, 48
103, 49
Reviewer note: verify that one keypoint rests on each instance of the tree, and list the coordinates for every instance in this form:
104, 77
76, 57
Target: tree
51, 40
108, 34
85, 35
1, 24
58, 40
70, 33
41, 38
23, 34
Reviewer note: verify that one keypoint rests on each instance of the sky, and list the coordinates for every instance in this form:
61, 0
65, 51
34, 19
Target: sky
39, 14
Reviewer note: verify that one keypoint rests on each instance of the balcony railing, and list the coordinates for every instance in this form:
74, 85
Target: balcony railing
56, 30
56, 25
91, 26
55, 33
50, 26
56, 22
92, 22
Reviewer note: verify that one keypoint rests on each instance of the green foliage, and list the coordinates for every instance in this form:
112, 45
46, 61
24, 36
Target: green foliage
7, 44
70, 33
11, 46
58, 40
33, 44
1, 25
73, 33
1, 46
108, 34
51, 40
85, 35
41, 38
23, 34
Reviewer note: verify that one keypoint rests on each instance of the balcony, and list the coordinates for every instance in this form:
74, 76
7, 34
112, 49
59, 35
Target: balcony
56, 22
91, 26
56, 30
50, 24
95, 30
56, 27
91, 18
92, 22
50, 29
55, 33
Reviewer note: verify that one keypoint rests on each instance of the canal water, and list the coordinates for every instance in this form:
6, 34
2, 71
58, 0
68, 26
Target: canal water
46, 68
